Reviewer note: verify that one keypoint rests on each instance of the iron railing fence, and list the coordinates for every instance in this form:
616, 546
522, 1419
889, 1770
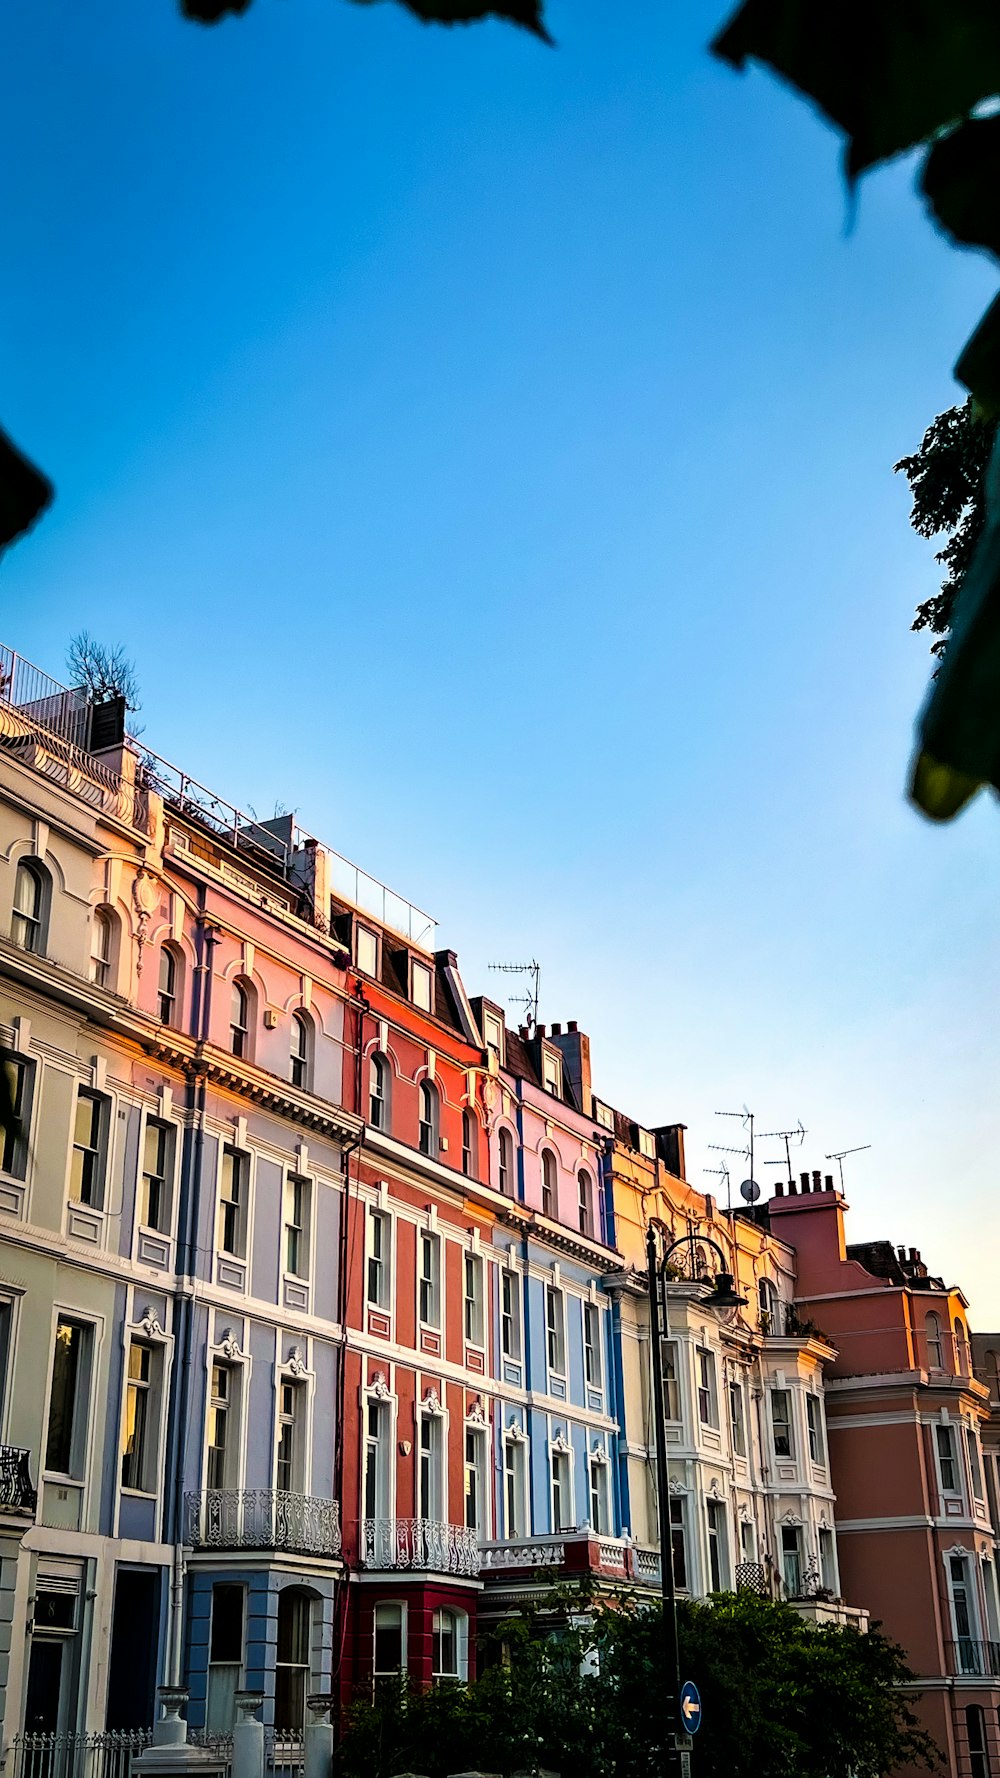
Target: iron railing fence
423, 1544
284, 1750
17, 1495
104, 1755
262, 1519
969, 1656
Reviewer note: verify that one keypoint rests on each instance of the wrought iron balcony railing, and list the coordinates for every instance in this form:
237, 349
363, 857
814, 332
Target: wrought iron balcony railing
262, 1519
16, 1492
419, 1544
980, 1659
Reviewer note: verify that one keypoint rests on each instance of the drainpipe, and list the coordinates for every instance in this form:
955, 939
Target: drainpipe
191, 1175
343, 1285
617, 1404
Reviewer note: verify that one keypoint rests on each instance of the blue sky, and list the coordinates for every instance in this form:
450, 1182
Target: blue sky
486, 451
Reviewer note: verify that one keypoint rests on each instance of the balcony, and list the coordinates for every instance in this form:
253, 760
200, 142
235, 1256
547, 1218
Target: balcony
575, 1552
975, 1660
18, 1499
262, 1519
423, 1545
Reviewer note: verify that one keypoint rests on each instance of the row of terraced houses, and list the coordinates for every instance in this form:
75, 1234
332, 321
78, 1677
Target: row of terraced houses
323, 1327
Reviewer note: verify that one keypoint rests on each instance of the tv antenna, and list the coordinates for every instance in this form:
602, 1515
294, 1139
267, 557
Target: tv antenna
841, 1156
528, 1000
723, 1173
798, 1136
746, 1151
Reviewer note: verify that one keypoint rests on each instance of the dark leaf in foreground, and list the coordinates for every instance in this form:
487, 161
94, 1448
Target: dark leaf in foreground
961, 182
24, 492
979, 365
959, 731
946, 477
890, 73
527, 13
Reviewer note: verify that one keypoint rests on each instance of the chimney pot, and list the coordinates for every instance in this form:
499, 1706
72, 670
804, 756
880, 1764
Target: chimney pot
817, 1182
914, 1255
804, 1181
779, 1190
828, 1182
539, 1030
572, 1026
557, 1030
793, 1188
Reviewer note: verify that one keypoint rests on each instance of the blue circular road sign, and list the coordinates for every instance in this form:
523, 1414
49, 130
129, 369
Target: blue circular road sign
690, 1702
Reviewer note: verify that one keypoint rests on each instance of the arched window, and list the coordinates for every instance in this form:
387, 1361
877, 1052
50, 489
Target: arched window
300, 1050
468, 1145
975, 1728
31, 886
506, 1153
167, 988
448, 1644
549, 1197
766, 1303
291, 1671
963, 1363
585, 1192
378, 1093
239, 1021
428, 1118
101, 941
935, 1350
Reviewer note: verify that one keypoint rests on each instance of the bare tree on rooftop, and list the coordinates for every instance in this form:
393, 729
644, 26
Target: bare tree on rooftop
102, 672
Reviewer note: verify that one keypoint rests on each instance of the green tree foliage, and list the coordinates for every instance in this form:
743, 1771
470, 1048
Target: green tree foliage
781, 1700
946, 478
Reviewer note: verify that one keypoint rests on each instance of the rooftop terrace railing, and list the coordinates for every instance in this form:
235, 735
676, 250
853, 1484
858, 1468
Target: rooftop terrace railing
51, 723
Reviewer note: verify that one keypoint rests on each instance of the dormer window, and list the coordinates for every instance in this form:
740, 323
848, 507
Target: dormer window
493, 1033
552, 1073
647, 1146
366, 951
604, 1115
420, 986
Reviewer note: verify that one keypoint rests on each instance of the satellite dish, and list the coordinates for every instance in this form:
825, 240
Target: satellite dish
750, 1191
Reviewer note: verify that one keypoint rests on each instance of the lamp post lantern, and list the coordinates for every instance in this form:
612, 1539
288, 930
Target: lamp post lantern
723, 1295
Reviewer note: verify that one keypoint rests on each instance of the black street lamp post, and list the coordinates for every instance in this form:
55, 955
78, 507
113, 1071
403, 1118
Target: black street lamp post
722, 1296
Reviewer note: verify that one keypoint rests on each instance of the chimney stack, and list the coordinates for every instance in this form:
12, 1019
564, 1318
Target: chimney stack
828, 1182
574, 1047
817, 1182
804, 1181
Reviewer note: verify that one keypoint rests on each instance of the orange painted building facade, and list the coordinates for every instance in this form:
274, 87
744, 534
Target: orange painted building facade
905, 1414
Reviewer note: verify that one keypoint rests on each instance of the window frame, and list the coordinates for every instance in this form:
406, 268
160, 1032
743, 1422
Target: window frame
429, 1116
946, 1455
398, 1605
505, 1162
300, 1051
458, 1633
679, 1540
147, 1392
469, 1143
555, 1331
291, 1406
593, 1357
716, 1533
161, 1128
361, 933
234, 1668
376, 1461
550, 1183
511, 1315
293, 1678
78, 1438
15, 1149
240, 1176
421, 972
378, 1254
599, 1492
562, 1512
378, 1078
218, 1471
585, 1203
166, 994
432, 1473
778, 1420
101, 962
933, 1341
737, 1418
516, 1505
708, 1388
474, 1324
35, 921
669, 1357
240, 1019
94, 1176
429, 1293
296, 1228
792, 1561
476, 1466
814, 1429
